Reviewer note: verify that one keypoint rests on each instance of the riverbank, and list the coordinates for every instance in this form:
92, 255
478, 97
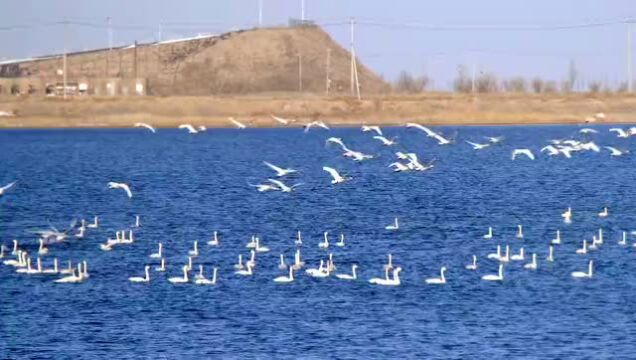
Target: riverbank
254, 111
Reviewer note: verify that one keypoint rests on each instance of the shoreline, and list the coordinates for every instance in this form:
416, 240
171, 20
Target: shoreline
436, 109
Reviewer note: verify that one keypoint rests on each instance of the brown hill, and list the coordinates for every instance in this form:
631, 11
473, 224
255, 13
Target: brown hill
240, 62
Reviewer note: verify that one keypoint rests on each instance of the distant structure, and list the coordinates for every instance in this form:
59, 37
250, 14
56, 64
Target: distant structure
301, 57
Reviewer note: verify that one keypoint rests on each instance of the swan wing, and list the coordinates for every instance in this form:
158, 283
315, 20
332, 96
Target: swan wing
333, 172
147, 126
7, 187
274, 167
238, 124
279, 119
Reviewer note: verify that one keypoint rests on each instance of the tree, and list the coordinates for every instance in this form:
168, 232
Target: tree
537, 85
462, 82
407, 83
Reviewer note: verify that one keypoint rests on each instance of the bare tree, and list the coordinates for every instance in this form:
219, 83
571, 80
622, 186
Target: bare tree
516, 84
538, 85
462, 82
407, 83
487, 83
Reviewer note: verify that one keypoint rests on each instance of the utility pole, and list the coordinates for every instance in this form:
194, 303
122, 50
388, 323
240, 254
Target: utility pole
135, 60
64, 65
160, 32
351, 21
302, 10
110, 45
629, 58
260, 13
300, 73
328, 71
472, 81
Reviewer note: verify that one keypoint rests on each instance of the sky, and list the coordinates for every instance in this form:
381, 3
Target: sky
419, 36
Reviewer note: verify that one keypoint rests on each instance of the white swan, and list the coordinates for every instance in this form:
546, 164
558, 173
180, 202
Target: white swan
238, 124
6, 187
506, 258
518, 257
352, 276
139, 279
260, 248
15, 248
550, 257
519, 232
137, 221
477, 146
325, 243
247, 272
282, 264
616, 152
215, 240
394, 226
603, 213
320, 268
281, 120
280, 172
623, 240
116, 185
341, 242
200, 274
441, 280
162, 267
331, 265
316, 124
497, 255
298, 263
189, 127
21, 269
252, 243
2, 249
430, 133
557, 239
533, 264
201, 280
180, 279
581, 274
395, 281
299, 240
95, 223
385, 141
488, 236
54, 270
389, 265
38, 269
285, 279
495, 277
473, 265
42, 250
337, 178
239, 265
73, 278
189, 265
69, 269
583, 250
158, 254
144, 125
14, 262
620, 132
367, 128
567, 216
526, 152
195, 249
252, 261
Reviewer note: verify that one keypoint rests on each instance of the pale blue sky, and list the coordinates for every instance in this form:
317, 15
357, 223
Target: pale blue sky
599, 52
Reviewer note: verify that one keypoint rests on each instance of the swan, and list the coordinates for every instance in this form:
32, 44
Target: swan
2, 249
73, 278
494, 139
285, 279
526, 152
367, 128
399, 167
567, 216
125, 187
189, 127
325, 243
252, 261
518, 257
84, 273
15, 248
260, 248
239, 265
281, 120
581, 274
603, 213
81, 231
337, 179
158, 254
341, 243
105, 247
38, 269
280, 172
180, 279
550, 257
623, 240
95, 223
69, 269
316, 124
441, 280
519, 232
264, 187
137, 221
557, 240
144, 125
247, 272
299, 240
202, 128
386, 281
55, 269
215, 240
162, 267
200, 274
385, 141
588, 131
238, 124
331, 265
473, 265
195, 250
492, 277
615, 152
282, 264
497, 255
312, 271
6, 187
506, 258
389, 265
189, 265
352, 276
203, 281
394, 226
533, 264
620, 132
430, 133
298, 263
138, 279
600, 236
42, 250
323, 272
252, 243
583, 250
477, 146
488, 236
24, 269
14, 262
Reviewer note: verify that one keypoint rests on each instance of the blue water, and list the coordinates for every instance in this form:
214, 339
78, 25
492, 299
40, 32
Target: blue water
185, 187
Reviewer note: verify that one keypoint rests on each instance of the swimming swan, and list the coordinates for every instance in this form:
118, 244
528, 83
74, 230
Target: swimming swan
325, 243
472, 266
158, 254
203, 281
42, 250
557, 240
162, 267
493, 277
286, 279
215, 240
533, 264
352, 276
550, 257
497, 255
247, 272
195, 250
180, 279
603, 213
138, 279
519, 232
394, 226
441, 280
583, 250
282, 264
518, 257
386, 281
341, 243
581, 274
488, 236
